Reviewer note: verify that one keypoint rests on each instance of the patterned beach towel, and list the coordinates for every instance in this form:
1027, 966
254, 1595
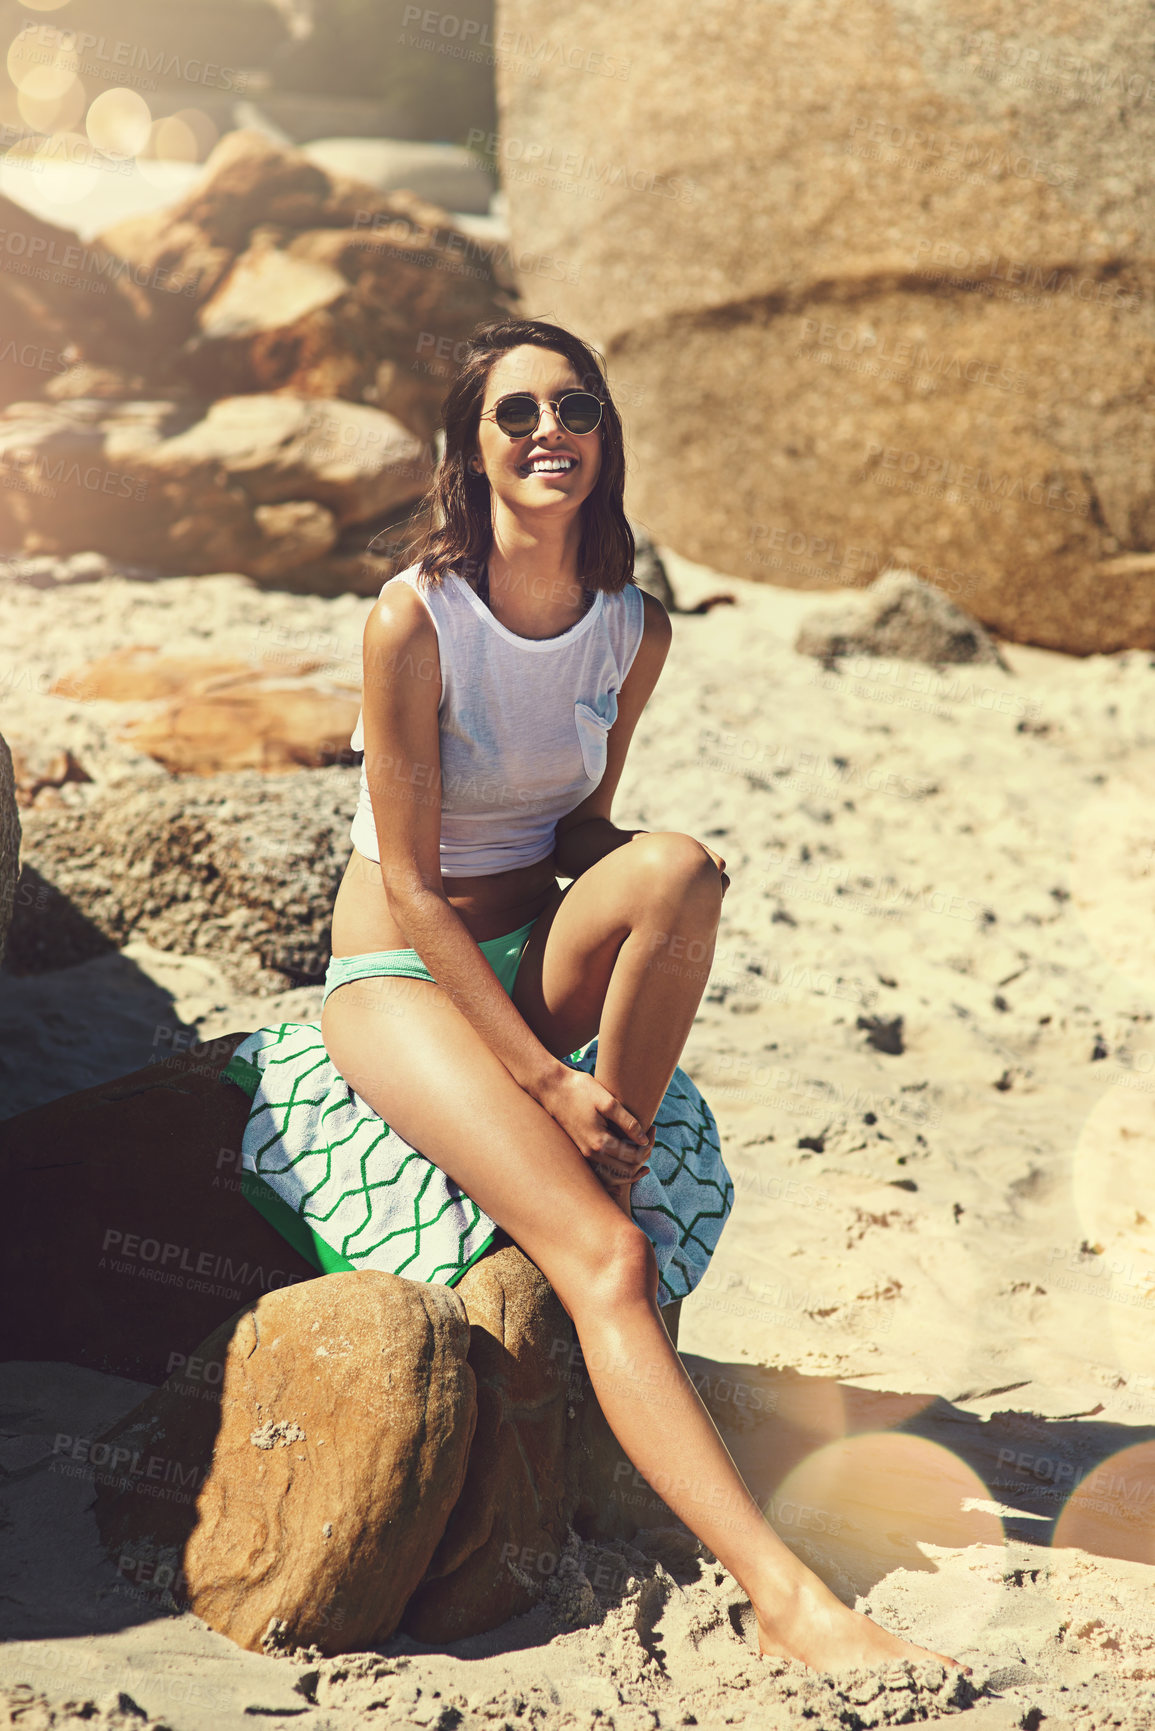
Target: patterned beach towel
348, 1192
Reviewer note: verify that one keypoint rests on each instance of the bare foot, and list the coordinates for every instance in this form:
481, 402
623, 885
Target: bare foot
825, 1634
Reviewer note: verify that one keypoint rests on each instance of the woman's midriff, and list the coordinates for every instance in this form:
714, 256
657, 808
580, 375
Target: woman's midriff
489, 906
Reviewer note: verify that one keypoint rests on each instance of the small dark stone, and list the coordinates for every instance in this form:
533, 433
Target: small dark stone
899, 617
884, 1034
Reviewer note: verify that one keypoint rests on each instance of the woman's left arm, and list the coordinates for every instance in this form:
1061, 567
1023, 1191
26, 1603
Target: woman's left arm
586, 834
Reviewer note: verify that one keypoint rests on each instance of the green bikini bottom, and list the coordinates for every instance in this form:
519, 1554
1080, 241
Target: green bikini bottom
503, 955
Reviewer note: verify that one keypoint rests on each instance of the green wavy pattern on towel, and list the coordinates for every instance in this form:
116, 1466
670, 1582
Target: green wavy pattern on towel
348, 1192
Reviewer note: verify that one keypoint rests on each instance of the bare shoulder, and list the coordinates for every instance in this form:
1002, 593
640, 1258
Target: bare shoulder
399, 616
401, 640
657, 630
646, 667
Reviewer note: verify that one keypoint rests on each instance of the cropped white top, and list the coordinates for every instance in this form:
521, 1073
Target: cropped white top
523, 724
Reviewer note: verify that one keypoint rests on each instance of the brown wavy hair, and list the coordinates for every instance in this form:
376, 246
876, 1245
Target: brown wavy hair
455, 527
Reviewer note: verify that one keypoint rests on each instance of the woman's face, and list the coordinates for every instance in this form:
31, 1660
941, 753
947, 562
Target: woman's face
515, 468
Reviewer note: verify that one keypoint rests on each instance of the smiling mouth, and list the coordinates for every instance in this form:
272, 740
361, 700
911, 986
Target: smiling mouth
548, 466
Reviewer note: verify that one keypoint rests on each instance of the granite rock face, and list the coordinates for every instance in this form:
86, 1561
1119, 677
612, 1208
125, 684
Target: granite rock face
9, 842
513, 1504
897, 303
318, 1480
297, 278
256, 386
239, 866
264, 484
49, 272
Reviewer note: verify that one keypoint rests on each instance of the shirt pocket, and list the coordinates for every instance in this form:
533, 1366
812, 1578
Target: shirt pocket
593, 733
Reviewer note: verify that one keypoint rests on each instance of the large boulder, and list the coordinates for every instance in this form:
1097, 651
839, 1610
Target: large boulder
307, 280
346, 1452
364, 1453
262, 484
9, 842
897, 298
126, 1237
513, 1501
306, 1496
239, 867
543, 1458
351, 312
248, 181
61, 302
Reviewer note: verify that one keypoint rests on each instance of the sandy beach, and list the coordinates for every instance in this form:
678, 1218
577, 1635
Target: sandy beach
926, 1333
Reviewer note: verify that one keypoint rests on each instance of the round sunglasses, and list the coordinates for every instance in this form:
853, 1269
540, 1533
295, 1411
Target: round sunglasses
518, 414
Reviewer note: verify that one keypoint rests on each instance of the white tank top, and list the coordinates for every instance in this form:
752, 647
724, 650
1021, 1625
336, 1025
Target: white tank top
523, 724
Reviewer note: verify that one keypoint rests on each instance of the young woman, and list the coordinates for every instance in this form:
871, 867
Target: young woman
504, 678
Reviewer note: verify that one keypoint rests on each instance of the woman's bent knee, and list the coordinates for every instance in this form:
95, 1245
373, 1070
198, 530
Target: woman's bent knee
624, 1269
668, 860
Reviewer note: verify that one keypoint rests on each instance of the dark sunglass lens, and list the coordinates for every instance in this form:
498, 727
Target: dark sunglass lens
579, 412
517, 416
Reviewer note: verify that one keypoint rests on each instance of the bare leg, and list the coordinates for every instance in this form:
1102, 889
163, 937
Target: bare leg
660, 973
657, 1415
447, 1093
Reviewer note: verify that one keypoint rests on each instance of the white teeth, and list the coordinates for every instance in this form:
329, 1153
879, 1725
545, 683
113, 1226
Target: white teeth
550, 465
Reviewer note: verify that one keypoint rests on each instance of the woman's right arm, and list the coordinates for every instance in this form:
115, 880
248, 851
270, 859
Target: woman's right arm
400, 698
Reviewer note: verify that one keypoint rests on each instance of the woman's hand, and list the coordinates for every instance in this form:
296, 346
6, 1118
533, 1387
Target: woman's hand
604, 1132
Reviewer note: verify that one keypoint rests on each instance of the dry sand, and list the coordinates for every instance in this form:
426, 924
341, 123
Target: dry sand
930, 1316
